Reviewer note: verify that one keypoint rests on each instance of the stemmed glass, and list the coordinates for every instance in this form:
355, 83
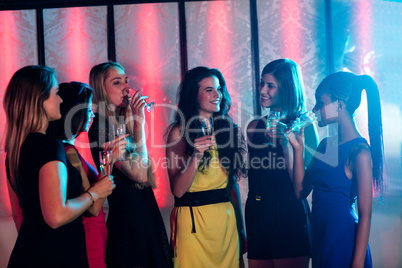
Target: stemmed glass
207, 129
272, 121
149, 105
302, 121
105, 162
118, 130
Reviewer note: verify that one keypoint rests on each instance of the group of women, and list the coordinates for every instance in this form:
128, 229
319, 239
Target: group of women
57, 197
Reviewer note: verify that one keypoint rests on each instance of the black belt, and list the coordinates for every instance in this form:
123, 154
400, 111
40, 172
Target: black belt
203, 198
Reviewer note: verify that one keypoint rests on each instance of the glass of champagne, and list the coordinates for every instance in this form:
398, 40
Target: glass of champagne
272, 121
302, 121
149, 105
207, 129
118, 130
105, 162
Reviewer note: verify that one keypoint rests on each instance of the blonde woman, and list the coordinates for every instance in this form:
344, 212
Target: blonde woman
136, 232
51, 233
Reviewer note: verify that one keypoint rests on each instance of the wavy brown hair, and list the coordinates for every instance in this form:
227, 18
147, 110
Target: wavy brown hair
229, 139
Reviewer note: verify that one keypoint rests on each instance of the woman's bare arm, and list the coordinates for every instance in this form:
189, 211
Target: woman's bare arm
136, 168
182, 169
362, 171
57, 210
74, 159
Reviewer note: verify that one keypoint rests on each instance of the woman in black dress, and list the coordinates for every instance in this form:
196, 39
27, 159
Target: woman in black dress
76, 117
276, 221
51, 233
136, 232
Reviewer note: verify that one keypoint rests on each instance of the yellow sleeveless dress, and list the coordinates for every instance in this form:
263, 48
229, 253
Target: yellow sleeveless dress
216, 241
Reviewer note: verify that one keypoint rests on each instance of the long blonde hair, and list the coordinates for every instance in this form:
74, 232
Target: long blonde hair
29, 87
97, 80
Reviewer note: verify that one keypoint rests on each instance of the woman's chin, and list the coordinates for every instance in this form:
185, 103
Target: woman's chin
265, 104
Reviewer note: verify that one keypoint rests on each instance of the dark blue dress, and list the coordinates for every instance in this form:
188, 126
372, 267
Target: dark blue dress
334, 219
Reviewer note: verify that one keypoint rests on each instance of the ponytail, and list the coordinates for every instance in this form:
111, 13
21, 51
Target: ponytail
348, 87
375, 130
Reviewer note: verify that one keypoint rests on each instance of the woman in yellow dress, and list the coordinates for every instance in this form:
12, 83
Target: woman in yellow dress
205, 154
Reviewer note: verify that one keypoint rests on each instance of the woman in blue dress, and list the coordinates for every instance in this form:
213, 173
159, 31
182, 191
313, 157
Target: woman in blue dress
344, 169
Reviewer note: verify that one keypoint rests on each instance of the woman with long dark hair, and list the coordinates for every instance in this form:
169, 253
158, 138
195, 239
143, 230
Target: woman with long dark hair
277, 223
76, 116
204, 152
344, 169
51, 233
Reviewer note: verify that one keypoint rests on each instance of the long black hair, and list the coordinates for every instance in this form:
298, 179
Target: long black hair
348, 87
229, 139
74, 110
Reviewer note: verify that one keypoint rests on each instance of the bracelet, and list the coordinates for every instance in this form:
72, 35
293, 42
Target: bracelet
92, 198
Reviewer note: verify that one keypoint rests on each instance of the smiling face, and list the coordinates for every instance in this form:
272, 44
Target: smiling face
209, 96
52, 104
325, 109
117, 87
269, 92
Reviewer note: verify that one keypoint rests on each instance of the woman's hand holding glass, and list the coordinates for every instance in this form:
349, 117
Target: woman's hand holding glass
203, 144
305, 119
275, 128
132, 94
102, 188
120, 131
118, 146
208, 130
295, 130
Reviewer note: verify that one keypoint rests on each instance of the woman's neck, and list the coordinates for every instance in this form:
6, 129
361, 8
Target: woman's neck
276, 109
347, 130
44, 127
207, 116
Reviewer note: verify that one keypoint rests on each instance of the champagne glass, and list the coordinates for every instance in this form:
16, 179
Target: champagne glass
272, 121
149, 105
207, 129
118, 130
302, 121
105, 162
